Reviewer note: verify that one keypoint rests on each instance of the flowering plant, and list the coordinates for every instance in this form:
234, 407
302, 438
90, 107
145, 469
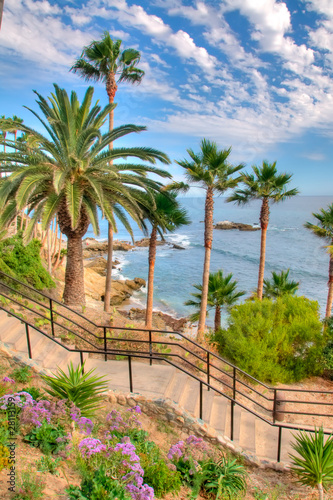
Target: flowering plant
186, 457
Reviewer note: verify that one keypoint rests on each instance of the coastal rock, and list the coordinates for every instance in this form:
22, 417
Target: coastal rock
120, 290
226, 225
92, 248
145, 242
161, 321
178, 247
99, 265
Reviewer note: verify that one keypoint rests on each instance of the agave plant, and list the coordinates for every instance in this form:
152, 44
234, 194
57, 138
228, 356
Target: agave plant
224, 478
314, 463
83, 389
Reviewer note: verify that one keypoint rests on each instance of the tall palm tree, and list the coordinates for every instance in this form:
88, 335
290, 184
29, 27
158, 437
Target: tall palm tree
221, 293
105, 62
267, 185
279, 285
211, 170
165, 216
70, 175
324, 229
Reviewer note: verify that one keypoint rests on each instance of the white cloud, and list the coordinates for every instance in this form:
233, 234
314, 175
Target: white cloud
35, 32
272, 21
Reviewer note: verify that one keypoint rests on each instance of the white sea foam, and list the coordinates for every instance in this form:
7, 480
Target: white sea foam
179, 239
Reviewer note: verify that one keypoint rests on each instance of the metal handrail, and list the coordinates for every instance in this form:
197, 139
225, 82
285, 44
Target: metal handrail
161, 357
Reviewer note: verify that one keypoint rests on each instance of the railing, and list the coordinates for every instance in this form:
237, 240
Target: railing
57, 321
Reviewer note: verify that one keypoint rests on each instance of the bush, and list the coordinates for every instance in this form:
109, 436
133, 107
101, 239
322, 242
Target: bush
23, 262
47, 437
274, 341
224, 478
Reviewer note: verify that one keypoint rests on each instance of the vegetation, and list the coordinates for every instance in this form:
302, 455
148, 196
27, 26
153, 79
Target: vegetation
211, 170
266, 185
24, 263
84, 390
70, 175
274, 341
280, 285
313, 463
221, 293
324, 229
104, 61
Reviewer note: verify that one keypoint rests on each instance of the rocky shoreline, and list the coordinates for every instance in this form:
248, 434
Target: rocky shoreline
122, 290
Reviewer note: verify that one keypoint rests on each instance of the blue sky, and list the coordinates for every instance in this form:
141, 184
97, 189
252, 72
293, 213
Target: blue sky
252, 74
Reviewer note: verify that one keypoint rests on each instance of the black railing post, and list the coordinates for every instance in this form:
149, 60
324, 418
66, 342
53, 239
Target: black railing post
105, 345
130, 373
208, 371
274, 406
200, 402
232, 407
51, 317
28, 340
279, 444
150, 349
81, 361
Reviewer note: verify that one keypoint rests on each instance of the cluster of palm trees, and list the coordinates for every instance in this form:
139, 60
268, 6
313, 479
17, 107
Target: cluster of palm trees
75, 168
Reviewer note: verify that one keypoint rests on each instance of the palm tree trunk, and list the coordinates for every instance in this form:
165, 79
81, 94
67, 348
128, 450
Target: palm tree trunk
150, 284
209, 209
264, 218
330, 289
217, 321
74, 276
111, 89
108, 281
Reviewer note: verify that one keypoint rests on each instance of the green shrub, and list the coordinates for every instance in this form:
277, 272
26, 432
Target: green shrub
34, 392
274, 341
46, 437
48, 464
28, 487
21, 374
100, 486
83, 389
159, 476
24, 262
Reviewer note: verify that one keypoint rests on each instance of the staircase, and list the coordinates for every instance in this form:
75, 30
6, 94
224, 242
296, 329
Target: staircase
250, 433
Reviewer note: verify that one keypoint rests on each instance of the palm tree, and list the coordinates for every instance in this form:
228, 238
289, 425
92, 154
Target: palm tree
165, 216
280, 285
324, 229
265, 185
221, 293
103, 61
70, 175
212, 171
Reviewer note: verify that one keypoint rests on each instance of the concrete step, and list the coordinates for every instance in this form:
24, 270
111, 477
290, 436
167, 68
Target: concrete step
218, 414
237, 419
207, 404
60, 356
36, 338
13, 332
247, 431
190, 396
176, 386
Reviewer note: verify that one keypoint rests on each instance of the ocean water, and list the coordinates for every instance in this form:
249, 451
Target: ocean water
289, 245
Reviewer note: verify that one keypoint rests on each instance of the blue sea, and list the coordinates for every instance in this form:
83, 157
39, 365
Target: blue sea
289, 246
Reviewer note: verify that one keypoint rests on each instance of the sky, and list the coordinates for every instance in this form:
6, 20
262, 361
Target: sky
255, 75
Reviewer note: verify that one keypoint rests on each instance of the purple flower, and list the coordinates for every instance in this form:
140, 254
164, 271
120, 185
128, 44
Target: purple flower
136, 409
90, 446
176, 450
8, 380
19, 399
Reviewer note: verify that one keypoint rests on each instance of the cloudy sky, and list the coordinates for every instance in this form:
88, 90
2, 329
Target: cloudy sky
252, 74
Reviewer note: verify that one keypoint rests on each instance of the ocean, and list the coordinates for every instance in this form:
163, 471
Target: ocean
289, 246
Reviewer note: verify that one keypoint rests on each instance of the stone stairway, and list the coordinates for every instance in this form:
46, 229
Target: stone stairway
159, 380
